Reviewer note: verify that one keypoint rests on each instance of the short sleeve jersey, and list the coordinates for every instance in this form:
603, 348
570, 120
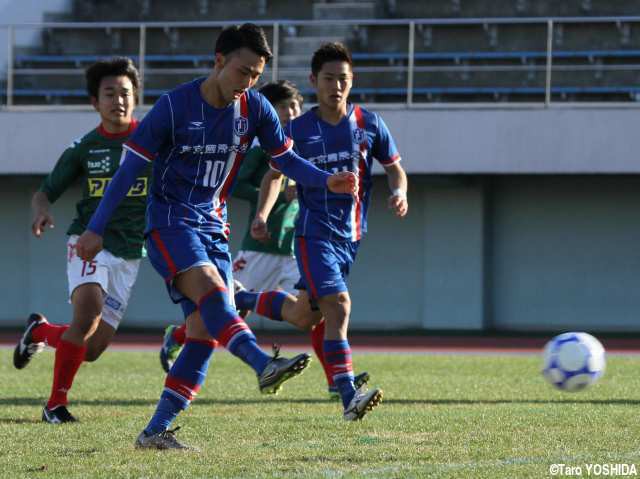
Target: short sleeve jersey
197, 150
351, 145
92, 161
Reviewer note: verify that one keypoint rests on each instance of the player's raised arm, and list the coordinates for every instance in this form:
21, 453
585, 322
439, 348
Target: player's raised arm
285, 160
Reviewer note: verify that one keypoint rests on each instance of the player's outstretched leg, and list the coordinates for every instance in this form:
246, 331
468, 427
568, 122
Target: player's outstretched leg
27, 347
180, 388
172, 342
174, 336
265, 303
223, 323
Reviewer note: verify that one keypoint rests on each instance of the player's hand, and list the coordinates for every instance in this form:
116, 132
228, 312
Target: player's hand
398, 204
41, 222
259, 231
290, 193
89, 245
344, 182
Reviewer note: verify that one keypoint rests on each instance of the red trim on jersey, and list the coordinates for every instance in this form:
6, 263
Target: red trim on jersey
244, 142
304, 257
155, 236
232, 329
394, 159
362, 168
288, 144
183, 388
116, 136
141, 151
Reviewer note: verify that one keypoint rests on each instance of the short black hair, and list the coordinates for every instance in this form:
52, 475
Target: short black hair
282, 90
248, 35
330, 52
113, 67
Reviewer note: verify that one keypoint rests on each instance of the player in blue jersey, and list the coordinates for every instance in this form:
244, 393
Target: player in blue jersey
335, 136
195, 137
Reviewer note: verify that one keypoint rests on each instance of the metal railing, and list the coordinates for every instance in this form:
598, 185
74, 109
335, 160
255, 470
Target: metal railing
409, 68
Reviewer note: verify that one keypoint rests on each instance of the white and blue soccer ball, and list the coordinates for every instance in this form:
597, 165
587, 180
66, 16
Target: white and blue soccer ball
573, 361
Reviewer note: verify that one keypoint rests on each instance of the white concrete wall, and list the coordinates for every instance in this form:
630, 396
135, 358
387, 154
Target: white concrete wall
581, 140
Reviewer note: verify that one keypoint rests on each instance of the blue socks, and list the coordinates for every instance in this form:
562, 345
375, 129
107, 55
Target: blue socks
337, 354
182, 384
226, 326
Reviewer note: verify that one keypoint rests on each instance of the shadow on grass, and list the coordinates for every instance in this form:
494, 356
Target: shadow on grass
471, 402
10, 420
28, 401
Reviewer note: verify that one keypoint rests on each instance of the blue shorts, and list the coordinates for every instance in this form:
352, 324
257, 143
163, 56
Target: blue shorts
324, 265
173, 251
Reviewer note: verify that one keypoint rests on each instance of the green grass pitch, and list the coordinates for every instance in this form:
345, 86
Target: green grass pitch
444, 416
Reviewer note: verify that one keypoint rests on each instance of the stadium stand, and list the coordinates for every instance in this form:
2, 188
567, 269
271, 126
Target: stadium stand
481, 61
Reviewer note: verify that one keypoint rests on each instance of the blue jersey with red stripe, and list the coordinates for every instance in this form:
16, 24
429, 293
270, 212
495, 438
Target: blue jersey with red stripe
196, 151
351, 145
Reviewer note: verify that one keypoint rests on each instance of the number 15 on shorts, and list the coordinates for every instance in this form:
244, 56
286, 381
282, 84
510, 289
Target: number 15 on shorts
88, 268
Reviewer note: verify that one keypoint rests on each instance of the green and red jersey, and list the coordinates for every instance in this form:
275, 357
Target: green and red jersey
93, 160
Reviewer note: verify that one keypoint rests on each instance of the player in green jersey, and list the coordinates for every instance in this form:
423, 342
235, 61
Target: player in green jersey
98, 290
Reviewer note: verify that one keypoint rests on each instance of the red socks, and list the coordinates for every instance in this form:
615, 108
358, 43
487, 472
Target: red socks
69, 357
180, 334
49, 333
317, 340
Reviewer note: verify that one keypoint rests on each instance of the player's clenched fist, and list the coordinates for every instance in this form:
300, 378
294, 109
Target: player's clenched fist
259, 231
344, 182
398, 204
89, 245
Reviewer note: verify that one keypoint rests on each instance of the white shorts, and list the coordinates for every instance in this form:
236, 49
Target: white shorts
265, 271
116, 276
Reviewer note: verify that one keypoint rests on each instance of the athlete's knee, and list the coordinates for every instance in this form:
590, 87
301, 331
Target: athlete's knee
94, 352
336, 308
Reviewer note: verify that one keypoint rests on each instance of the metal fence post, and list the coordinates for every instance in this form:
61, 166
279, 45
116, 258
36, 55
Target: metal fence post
276, 51
141, 60
412, 28
10, 41
547, 88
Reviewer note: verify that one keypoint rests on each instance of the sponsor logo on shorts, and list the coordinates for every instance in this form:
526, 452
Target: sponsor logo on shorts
113, 303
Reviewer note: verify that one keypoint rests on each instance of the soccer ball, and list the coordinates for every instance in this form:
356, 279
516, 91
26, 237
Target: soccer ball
573, 361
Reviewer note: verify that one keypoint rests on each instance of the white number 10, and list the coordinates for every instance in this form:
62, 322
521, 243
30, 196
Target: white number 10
213, 172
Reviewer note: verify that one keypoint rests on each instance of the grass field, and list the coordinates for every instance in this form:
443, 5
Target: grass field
442, 416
